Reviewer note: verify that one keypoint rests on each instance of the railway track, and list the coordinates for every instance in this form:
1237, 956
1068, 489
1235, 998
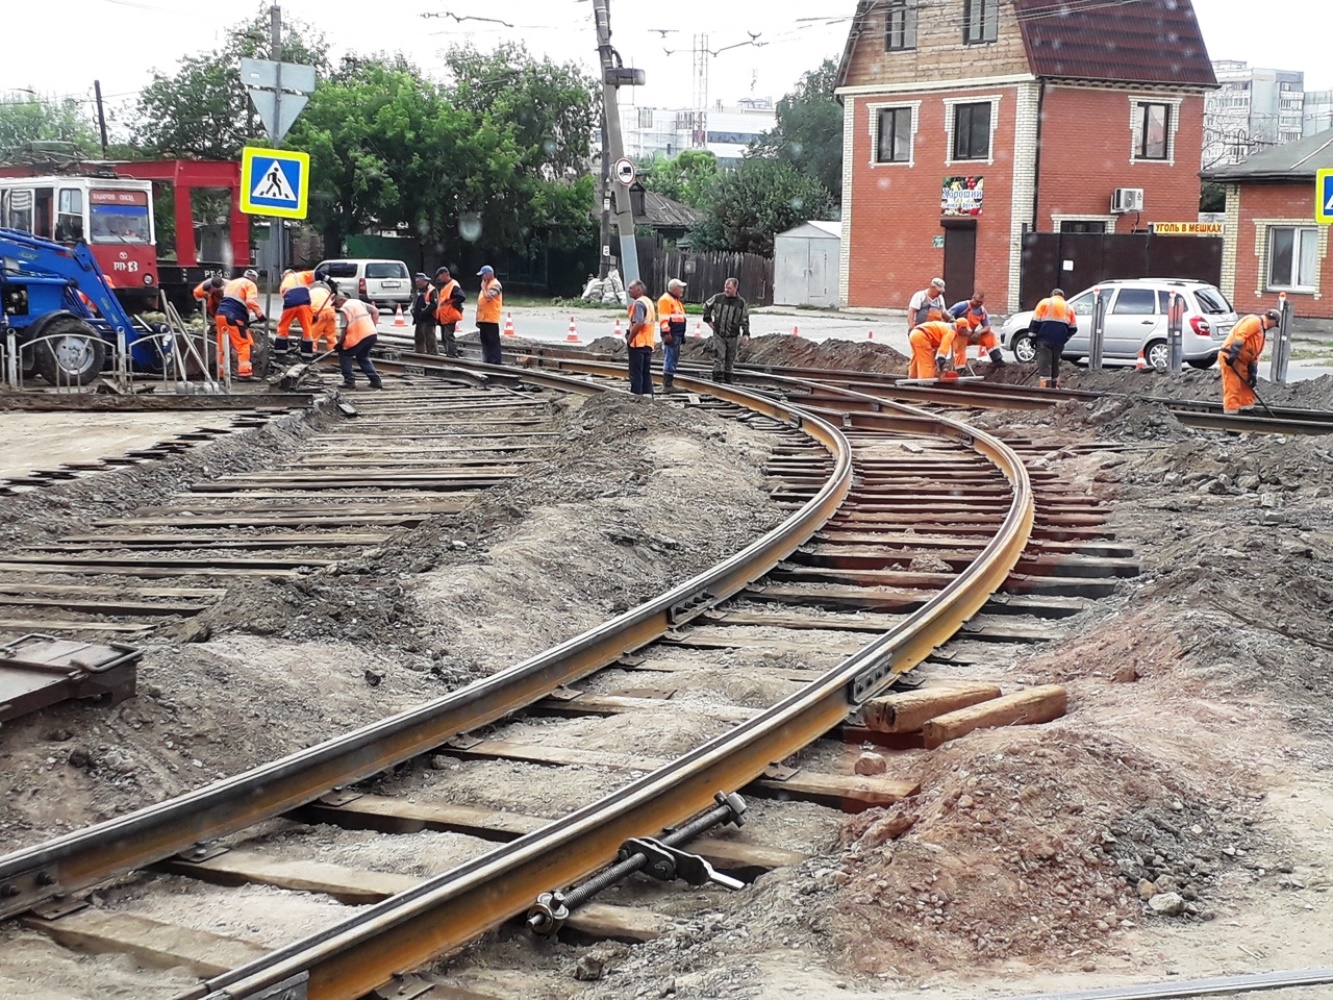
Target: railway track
1201, 414
905, 527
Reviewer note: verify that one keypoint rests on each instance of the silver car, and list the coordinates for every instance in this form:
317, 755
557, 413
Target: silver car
1136, 320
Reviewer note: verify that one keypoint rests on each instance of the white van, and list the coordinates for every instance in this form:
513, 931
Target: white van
383, 282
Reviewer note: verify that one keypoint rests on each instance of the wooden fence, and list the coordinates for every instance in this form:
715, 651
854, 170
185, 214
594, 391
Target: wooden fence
705, 273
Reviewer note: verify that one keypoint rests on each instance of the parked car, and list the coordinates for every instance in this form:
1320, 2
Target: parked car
1136, 320
383, 282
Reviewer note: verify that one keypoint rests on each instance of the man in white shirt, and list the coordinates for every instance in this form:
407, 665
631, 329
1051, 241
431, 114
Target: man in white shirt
918, 310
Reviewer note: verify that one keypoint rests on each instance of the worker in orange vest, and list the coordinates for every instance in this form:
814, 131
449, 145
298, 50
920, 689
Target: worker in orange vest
1239, 360
490, 304
1052, 323
640, 339
671, 316
932, 344
240, 302
209, 293
324, 335
357, 340
295, 289
973, 312
449, 312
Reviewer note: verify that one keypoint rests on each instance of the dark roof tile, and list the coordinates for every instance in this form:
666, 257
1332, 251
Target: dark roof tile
1293, 161
1154, 42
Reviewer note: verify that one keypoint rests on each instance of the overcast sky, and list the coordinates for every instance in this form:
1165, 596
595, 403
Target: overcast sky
121, 41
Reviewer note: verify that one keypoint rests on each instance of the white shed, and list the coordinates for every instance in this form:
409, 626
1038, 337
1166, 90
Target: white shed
805, 265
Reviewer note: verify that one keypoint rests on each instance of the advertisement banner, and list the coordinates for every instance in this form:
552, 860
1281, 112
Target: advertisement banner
962, 196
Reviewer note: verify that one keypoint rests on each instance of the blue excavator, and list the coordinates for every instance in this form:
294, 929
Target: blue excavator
66, 320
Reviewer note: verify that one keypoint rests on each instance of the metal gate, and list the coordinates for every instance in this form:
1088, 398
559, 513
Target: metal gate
1075, 261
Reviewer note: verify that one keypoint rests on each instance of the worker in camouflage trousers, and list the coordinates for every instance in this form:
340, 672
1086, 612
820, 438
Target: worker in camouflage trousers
728, 316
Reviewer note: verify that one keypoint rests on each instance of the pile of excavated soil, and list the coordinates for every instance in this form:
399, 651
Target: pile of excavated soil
633, 499
783, 350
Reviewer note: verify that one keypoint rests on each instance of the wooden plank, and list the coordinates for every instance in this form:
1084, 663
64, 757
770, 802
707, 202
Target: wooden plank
607, 705
908, 711
21, 587
1035, 705
842, 790
156, 944
110, 606
60, 625
394, 815
287, 539
152, 572
361, 886
332, 519
168, 562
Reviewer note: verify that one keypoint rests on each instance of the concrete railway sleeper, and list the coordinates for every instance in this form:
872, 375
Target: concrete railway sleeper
743, 604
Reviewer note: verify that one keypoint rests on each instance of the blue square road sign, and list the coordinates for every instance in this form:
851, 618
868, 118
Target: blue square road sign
1323, 197
275, 182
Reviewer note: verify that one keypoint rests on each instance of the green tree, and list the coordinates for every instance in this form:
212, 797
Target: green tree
688, 177
808, 134
552, 107
1213, 197
27, 118
759, 199
202, 109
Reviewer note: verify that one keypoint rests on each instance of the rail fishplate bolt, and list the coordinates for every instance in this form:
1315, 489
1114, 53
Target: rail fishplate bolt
660, 858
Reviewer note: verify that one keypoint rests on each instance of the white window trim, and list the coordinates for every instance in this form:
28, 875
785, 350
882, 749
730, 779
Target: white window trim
1058, 221
950, 103
875, 108
1263, 240
1134, 114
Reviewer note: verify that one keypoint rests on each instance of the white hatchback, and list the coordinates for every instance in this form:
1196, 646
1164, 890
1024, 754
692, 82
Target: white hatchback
1136, 320
383, 282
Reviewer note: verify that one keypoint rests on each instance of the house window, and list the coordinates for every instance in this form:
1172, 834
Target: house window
1293, 257
1083, 226
900, 26
980, 21
895, 135
1153, 128
971, 131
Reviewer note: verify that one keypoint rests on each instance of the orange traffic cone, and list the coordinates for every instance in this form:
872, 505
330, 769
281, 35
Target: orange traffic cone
573, 336
509, 325
1140, 364
620, 329
870, 335
398, 318
698, 329
796, 331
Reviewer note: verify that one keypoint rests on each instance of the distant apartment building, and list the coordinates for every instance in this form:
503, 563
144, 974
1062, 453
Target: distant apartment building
1318, 111
1252, 110
726, 131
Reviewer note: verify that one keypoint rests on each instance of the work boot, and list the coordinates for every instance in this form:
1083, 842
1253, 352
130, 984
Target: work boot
349, 385
996, 358
668, 383
376, 384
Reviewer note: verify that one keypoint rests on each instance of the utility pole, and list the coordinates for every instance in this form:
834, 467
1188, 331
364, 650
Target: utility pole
101, 116
701, 56
604, 201
614, 75
275, 54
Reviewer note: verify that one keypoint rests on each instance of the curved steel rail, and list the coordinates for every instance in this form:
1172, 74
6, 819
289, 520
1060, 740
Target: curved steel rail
444, 913
91, 855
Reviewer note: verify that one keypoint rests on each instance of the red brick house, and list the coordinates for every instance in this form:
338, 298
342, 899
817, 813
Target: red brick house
971, 122
1272, 243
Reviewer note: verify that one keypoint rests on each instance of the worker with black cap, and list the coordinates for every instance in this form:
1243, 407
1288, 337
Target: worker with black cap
1239, 360
424, 304
449, 309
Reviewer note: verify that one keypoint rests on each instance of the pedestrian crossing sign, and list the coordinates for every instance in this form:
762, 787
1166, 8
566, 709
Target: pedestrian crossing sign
1323, 193
275, 182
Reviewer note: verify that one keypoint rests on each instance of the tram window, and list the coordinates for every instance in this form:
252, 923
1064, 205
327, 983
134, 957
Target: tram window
69, 219
18, 211
44, 212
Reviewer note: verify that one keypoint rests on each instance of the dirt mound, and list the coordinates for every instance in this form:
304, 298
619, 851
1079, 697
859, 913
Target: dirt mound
1025, 845
839, 355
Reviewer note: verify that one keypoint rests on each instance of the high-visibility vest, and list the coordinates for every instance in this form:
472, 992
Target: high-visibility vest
1249, 334
935, 333
446, 312
360, 324
294, 279
645, 334
244, 291
671, 315
1054, 310
490, 307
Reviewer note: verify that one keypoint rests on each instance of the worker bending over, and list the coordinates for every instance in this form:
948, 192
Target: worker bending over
295, 289
357, 340
240, 303
973, 312
209, 293
1053, 323
1239, 360
932, 343
671, 316
324, 335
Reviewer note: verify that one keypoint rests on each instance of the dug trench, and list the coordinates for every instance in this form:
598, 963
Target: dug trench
1175, 824
627, 501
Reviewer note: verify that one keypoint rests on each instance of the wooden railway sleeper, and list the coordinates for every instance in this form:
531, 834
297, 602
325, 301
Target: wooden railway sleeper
662, 859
